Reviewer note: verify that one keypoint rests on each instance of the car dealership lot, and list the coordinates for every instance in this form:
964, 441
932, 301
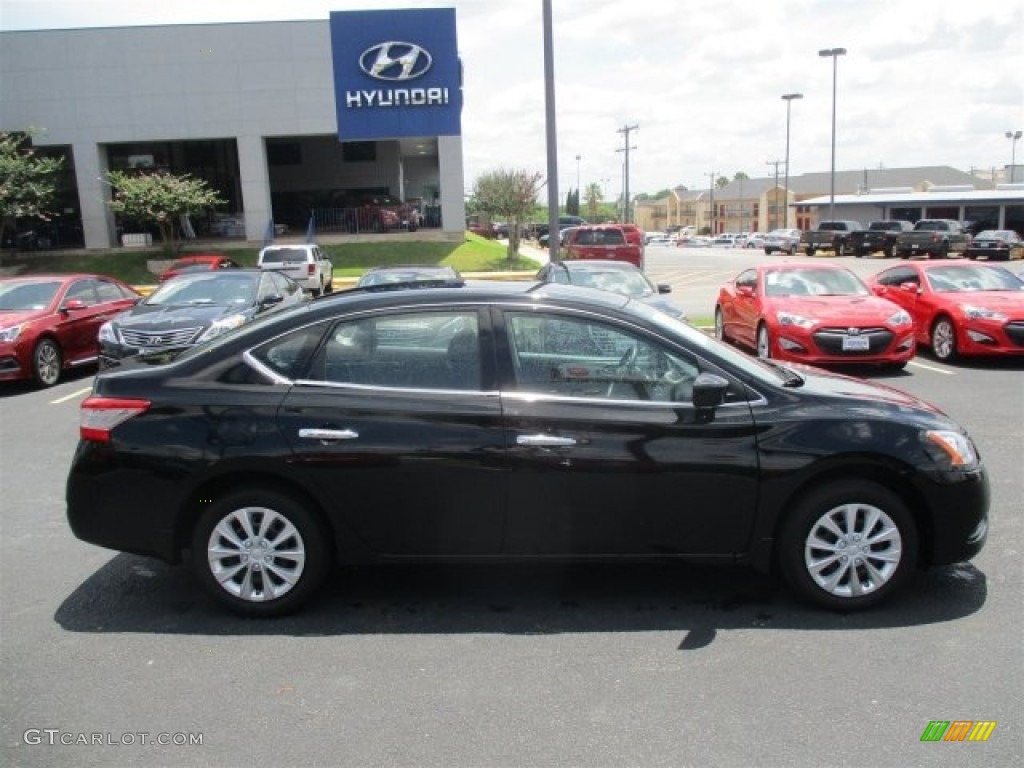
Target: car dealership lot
588, 665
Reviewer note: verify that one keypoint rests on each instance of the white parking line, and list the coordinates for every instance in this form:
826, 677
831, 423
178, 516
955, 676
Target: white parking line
72, 396
932, 368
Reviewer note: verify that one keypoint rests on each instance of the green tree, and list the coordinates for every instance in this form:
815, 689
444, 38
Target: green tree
594, 199
28, 181
510, 195
160, 198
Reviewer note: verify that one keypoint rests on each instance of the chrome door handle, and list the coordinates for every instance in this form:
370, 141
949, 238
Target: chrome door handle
545, 441
327, 435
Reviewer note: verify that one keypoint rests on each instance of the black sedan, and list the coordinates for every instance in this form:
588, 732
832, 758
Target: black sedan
996, 245
515, 421
616, 276
193, 308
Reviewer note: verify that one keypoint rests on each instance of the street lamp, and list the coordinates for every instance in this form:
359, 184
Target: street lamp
835, 53
577, 174
1013, 136
788, 98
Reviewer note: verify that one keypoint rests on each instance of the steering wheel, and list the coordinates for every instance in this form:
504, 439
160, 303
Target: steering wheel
625, 366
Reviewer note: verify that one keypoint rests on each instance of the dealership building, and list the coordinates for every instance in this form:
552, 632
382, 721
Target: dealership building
284, 119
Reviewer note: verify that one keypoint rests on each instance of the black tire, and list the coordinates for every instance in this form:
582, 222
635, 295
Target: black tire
720, 326
763, 342
859, 520
888, 253
47, 363
810, 251
290, 528
943, 339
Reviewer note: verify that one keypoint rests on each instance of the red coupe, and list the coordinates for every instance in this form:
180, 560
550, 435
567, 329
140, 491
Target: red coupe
50, 323
813, 313
959, 307
199, 262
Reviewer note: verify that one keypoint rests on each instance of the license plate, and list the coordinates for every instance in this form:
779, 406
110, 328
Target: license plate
856, 344
913, 247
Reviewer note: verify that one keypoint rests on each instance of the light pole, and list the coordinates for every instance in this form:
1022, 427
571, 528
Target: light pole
577, 174
788, 98
1013, 136
835, 53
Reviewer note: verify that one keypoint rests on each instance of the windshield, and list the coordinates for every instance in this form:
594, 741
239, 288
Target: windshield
969, 277
813, 282
24, 295
625, 282
217, 289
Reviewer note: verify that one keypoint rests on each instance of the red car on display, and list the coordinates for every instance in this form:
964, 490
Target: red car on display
50, 323
813, 313
959, 307
199, 262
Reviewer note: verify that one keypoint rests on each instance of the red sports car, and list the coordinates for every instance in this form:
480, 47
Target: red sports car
959, 307
813, 313
50, 323
199, 262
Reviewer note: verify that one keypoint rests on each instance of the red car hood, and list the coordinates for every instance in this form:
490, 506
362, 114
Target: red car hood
841, 310
1010, 302
7, 319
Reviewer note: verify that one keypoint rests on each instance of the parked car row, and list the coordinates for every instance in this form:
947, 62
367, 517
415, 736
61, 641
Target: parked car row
51, 324
822, 313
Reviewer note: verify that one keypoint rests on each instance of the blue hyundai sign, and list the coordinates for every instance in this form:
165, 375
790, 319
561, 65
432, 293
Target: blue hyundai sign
396, 74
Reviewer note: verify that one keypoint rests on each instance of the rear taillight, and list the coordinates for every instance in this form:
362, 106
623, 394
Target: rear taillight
311, 269
99, 415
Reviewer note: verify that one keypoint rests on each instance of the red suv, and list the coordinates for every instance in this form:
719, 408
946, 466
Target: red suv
610, 242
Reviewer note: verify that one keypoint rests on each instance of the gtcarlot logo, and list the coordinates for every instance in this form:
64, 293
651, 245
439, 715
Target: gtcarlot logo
55, 736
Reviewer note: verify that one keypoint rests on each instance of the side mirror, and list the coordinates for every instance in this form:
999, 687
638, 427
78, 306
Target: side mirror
664, 288
72, 304
709, 391
269, 301
744, 290
910, 288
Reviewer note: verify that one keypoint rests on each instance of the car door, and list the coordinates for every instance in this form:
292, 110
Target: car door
397, 423
608, 455
745, 311
88, 303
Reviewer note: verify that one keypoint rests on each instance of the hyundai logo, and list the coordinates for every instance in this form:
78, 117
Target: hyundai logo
395, 61
853, 331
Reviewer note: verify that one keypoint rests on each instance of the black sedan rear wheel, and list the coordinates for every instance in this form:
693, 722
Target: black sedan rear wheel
848, 545
260, 552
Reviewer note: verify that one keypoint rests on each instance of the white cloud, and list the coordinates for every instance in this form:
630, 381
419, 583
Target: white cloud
923, 83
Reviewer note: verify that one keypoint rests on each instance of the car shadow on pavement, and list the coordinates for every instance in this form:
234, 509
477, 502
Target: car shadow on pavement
135, 594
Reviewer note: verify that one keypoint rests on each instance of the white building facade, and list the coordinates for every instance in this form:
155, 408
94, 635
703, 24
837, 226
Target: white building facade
280, 117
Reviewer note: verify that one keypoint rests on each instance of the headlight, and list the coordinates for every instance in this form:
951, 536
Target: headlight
223, 325
10, 333
980, 313
107, 333
788, 318
954, 447
901, 318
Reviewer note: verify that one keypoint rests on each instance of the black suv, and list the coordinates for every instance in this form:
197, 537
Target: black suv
500, 421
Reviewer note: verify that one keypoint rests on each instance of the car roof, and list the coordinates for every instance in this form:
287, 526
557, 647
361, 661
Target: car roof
598, 264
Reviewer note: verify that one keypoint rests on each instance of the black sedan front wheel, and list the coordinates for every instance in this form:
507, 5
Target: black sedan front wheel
848, 545
260, 552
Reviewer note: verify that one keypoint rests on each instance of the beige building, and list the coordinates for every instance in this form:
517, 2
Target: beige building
760, 205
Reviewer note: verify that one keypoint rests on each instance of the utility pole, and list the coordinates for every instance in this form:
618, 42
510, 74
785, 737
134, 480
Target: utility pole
711, 211
551, 133
775, 193
625, 130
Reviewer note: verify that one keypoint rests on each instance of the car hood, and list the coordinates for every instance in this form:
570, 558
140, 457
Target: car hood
1002, 301
669, 308
838, 310
861, 393
145, 317
19, 316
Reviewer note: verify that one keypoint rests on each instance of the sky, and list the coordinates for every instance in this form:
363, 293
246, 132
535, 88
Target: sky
923, 82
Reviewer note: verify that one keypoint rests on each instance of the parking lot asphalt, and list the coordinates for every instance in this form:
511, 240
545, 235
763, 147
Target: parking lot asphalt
507, 666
